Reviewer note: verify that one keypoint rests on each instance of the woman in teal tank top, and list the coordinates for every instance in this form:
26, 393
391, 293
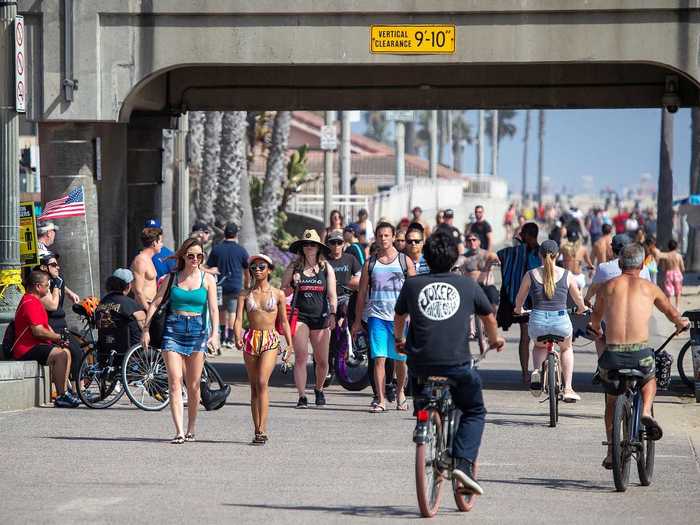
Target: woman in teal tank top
186, 336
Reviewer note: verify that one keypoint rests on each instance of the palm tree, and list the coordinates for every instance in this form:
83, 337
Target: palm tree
506, 128
275, 174
526, 138
376, 125
694, 233
210, 167
461, 135
233, 163
195, 131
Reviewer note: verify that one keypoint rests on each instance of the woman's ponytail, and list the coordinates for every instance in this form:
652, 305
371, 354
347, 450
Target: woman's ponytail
548, 275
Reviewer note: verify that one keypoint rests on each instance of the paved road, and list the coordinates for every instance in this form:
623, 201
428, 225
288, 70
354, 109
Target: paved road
337, 464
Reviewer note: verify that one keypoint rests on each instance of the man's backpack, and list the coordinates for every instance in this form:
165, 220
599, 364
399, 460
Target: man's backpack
8, 341
373, 262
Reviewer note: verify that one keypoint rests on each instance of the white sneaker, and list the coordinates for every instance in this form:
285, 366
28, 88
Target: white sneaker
570, 396
536, 383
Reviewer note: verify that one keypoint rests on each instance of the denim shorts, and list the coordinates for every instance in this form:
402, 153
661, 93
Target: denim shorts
185, 334
544, 322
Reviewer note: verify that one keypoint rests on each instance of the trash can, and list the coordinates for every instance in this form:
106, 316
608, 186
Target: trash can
694, 318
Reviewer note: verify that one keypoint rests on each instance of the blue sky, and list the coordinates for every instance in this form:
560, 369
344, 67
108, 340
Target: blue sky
614, 147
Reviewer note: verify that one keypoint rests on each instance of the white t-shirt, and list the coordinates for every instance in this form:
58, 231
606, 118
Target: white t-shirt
611, 269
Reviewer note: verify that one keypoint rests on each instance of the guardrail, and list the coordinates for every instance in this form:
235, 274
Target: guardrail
312, 205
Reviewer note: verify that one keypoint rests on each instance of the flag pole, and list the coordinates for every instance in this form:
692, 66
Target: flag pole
87, 238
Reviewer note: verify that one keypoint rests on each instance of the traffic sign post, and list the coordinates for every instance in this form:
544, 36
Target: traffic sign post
400, 115
329, 139
20, 67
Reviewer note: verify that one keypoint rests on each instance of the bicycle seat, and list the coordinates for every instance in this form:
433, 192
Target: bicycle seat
630, 372
550, 338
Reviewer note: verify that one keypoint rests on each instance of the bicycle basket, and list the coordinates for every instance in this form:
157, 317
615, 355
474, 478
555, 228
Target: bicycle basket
664, 360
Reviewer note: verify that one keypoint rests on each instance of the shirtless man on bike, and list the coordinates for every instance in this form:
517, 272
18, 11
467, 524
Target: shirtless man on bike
626, 304
477, 264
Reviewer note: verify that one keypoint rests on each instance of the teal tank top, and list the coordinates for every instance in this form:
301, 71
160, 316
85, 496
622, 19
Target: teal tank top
182, 300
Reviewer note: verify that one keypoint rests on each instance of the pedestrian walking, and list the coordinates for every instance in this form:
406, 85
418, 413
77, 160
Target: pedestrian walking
313, 282
46, 235
185, 339
382, 277
335, 222
145, 275
481, 228
163, 261
264, 306
229, 260
673, 267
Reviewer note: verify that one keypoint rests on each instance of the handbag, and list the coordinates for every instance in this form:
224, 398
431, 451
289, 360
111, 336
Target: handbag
292, 316
156, 328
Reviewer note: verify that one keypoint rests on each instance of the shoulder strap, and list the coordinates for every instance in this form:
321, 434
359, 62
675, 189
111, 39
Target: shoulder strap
372, 262
404, 264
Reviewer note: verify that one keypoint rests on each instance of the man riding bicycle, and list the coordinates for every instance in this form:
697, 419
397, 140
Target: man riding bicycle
626, 303
440, 305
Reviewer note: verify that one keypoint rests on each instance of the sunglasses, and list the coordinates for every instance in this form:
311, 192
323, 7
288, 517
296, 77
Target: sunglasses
258, 267
472, 240
53, 265
335, 243
414, 241
195, 256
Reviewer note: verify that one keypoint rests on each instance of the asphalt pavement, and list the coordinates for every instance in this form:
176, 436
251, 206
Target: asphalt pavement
339, 464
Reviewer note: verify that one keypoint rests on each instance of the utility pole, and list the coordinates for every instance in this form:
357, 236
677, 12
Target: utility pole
664, 197
9, 168
345, 155
328, 172
540, 159
400, 132
494, 142
182, 187
433, 144
480, 145
693, 255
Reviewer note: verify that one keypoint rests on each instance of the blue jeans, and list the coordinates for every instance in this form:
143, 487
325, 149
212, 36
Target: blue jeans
467, 397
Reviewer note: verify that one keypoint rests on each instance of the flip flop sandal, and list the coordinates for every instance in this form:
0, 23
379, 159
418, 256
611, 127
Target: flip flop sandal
402, 405
377, 409
189, 437
258, 440
178, 440
653, 429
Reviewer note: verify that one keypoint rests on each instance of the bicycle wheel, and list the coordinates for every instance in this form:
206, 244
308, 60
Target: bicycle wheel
429, 478
622, 445
685, 362
98, 386
552, 390
645, 458
352, 374
145, 379
465, 502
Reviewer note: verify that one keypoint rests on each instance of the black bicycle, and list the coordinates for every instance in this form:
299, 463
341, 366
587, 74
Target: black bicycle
436, 424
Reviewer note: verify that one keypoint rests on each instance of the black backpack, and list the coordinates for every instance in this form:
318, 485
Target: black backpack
373, 262
8, 341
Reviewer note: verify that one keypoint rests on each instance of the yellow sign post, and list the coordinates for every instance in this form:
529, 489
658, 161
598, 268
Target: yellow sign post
28, 249
413, 39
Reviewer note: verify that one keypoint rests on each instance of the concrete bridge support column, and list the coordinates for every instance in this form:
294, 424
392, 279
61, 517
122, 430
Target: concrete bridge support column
148, 194
92, 156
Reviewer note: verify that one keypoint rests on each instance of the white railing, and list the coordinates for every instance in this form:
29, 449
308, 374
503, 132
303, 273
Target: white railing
312, 205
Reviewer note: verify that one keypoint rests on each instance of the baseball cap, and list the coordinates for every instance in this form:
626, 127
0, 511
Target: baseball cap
449, 212
200, 226
549, 247
262, 257
619, 242
354, 228
231, 230
124, 274
335, 235
45, 227
152, 223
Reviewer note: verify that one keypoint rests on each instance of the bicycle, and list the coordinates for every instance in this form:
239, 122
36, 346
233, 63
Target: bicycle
436, 424
685, 362
629, 436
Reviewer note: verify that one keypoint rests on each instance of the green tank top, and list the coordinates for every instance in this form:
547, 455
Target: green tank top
182, 300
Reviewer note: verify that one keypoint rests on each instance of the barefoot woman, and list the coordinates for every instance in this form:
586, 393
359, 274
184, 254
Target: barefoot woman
263, 305
192, 296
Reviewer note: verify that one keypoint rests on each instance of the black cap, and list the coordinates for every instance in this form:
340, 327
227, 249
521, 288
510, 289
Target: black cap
231, 230
619, 242
549, 247
200, 226
449, 212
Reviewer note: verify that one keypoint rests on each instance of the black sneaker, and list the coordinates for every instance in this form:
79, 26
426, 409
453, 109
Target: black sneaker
320, 398
303, 402
391, 393
64, 401
465, 475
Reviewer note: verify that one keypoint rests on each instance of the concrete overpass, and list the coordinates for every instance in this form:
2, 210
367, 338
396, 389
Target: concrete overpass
120, 71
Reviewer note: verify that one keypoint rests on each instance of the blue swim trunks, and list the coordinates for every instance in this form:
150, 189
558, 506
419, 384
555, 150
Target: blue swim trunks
381, 339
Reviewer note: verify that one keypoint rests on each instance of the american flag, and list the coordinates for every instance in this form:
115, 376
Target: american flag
71, 205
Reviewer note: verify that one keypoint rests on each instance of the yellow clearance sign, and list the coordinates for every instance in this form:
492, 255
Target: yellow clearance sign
413, 39
28, 249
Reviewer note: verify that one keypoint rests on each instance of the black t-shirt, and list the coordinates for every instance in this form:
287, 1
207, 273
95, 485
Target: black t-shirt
440, 306
58, 313
345, 267
480, 229
116, 326
230, 258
